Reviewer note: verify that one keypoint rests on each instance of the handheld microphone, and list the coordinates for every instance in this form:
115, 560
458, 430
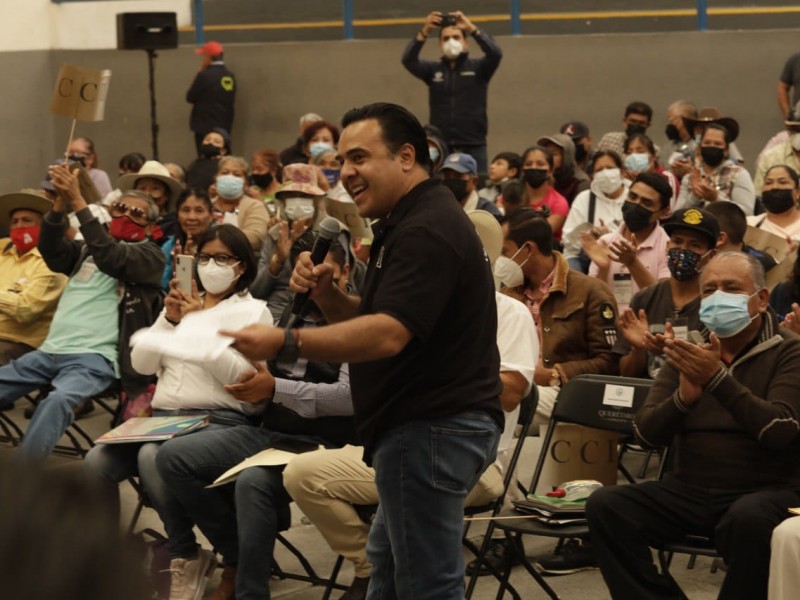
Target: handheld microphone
328, 231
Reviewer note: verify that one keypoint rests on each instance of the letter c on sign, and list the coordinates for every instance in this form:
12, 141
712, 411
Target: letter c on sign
86, 90
584, 452
553, 451
61, 91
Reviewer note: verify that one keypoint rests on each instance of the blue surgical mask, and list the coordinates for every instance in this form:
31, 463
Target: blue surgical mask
332, 175
318, 148
434, 152
637, 162
230, 187
726, 314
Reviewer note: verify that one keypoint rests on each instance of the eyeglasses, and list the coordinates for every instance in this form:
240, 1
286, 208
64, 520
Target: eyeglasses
137, 215
221, 260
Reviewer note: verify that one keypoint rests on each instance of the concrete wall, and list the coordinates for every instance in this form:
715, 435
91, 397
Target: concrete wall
43, 24
541, 82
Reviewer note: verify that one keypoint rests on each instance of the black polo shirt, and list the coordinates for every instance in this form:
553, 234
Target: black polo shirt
428, 270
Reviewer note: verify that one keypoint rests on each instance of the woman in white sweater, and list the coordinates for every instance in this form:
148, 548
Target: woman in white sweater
225, 267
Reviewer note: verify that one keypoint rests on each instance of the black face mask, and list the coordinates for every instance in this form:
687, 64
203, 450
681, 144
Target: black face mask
778, 201
634, 129
209, 151
580, 152
534, 177
636, 217
261, 180
458, 187
712, 155
672, 133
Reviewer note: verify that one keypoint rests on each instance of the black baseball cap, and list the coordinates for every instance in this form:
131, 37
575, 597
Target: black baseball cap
694, 219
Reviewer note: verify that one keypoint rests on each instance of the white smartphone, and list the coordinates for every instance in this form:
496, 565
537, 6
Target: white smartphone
184, 266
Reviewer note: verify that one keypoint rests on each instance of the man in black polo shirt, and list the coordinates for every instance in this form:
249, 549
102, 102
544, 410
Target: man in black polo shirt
422, 347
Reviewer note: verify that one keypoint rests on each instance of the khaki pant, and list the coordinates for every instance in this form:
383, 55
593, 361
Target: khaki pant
326, 484
784, 575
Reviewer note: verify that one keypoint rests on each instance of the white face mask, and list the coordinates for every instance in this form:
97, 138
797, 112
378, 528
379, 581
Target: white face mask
216, 279
794, 139
452, 48
298, 208
608, 181
509, 272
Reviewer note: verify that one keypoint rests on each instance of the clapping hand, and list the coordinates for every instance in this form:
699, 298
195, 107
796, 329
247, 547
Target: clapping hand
697, 364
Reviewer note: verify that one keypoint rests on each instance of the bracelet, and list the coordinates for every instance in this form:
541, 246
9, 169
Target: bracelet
171, 322
423, 34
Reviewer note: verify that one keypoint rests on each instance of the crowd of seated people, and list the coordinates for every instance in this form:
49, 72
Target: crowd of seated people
602, 251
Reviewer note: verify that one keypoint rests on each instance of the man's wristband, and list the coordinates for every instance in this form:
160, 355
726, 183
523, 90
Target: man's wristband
171, 322
423, 34
292, 344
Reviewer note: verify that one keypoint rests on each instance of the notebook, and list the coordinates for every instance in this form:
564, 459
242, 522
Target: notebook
152, 429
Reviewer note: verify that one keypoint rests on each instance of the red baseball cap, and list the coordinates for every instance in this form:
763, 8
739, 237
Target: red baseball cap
210, 48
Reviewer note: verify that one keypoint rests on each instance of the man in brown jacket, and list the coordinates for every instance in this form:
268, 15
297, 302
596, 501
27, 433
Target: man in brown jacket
575, 315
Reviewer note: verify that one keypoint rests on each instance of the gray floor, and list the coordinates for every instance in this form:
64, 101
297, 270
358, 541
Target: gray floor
698, 583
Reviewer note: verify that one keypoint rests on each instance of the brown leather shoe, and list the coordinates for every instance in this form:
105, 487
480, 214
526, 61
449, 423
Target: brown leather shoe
357, 589
227, 587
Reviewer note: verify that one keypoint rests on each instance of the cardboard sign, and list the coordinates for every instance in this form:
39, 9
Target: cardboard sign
347, 212
80, 93
577, 452
769, 243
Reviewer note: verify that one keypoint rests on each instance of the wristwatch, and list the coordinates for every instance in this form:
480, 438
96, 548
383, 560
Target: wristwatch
555, 378
290, 351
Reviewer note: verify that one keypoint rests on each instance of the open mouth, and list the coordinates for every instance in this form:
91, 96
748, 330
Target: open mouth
356, 190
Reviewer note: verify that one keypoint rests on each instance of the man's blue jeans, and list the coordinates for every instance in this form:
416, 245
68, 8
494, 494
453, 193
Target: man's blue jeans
73, 377
424, 471
243, 533
114, 463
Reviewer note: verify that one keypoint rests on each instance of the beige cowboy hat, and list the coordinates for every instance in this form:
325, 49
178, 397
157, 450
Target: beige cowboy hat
154, 170
25, 199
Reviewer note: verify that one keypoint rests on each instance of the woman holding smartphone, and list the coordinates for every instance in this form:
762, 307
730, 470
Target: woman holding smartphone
194, 218
225, 270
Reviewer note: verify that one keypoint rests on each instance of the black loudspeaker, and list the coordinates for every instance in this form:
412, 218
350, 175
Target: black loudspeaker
147, 31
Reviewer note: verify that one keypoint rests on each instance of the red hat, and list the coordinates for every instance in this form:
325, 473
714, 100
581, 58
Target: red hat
210, 48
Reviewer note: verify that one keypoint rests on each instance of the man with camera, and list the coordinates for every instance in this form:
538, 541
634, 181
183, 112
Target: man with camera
457, 84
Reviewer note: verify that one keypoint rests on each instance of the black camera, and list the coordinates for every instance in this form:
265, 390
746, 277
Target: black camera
447, 20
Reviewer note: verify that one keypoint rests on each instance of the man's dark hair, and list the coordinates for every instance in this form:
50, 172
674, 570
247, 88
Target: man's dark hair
398, 126
659, 183
527, 225
216, 57
237, 243
716, 126
639, 108
513, 159
731, 219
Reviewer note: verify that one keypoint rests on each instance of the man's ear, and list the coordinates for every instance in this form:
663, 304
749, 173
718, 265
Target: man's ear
723, 239
407, 156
